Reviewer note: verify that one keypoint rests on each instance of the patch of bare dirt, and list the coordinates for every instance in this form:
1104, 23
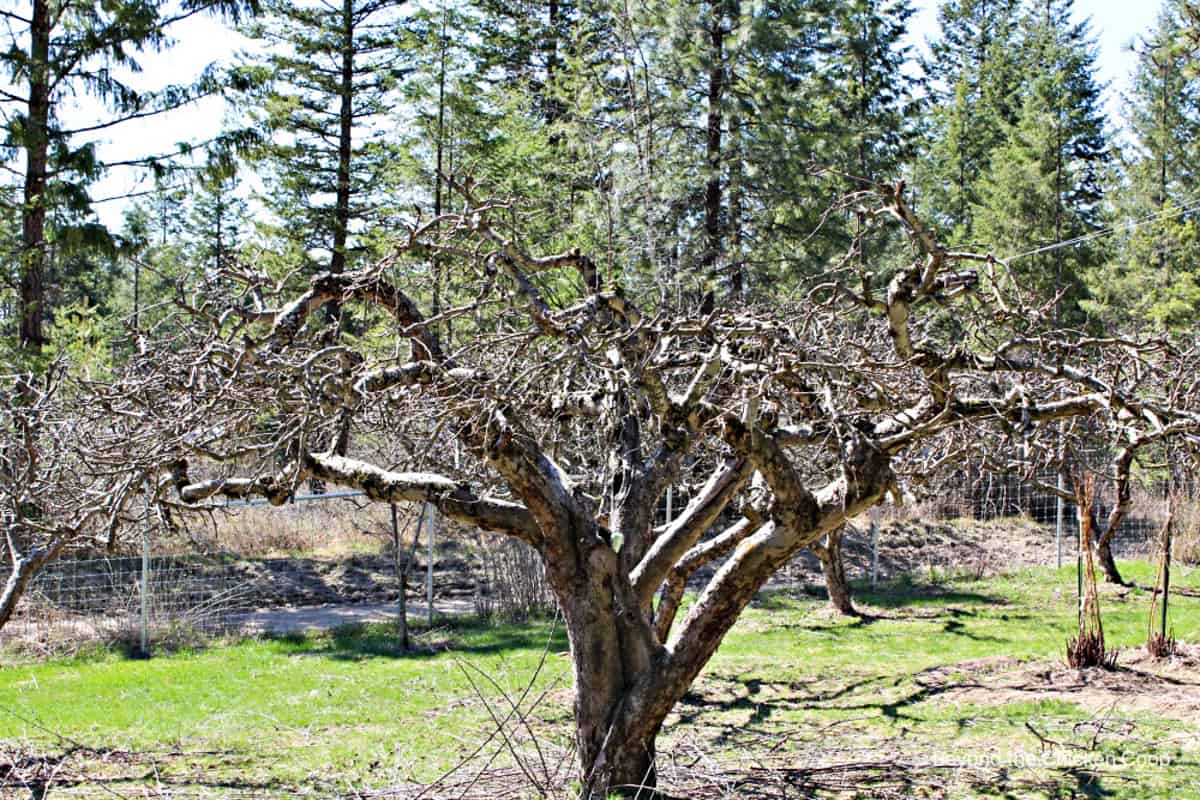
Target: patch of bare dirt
977, 547
350, 579
1141, 684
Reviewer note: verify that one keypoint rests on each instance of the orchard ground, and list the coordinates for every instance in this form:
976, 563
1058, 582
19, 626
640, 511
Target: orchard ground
950, 686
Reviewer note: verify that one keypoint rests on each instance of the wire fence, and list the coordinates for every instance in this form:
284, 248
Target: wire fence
172, 597
120, 599
990, 496
981, 524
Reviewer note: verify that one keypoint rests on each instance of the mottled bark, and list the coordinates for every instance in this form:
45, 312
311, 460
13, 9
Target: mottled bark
613, 650
24, 567
676, 580
833, 569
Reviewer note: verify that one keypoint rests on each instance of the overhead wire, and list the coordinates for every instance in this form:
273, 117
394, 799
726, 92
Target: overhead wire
1126, 227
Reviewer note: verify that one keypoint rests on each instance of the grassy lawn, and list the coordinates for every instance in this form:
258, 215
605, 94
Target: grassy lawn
925, 680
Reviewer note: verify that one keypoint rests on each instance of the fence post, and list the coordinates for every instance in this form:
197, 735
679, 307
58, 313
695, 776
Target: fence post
399, 579
1166, 574
1060, 511
1079, 563
145, 589
430, 511
874, 547
669, 509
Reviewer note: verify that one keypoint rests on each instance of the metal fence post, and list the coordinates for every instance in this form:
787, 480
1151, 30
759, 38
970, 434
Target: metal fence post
1059, 517
874, 547
1079, 563
430, 511
396, 564
1166, 588
145, 592
669, 509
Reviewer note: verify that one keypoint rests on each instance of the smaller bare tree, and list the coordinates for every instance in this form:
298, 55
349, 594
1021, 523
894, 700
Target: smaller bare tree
67, 475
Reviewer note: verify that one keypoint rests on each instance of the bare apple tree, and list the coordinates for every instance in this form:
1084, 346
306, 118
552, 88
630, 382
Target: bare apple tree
556, 406
69, 474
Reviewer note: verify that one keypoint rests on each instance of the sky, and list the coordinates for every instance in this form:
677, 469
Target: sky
1115, 24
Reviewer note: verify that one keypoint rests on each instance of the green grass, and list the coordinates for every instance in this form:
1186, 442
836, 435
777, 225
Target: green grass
329, 703
1024, 614
346, 708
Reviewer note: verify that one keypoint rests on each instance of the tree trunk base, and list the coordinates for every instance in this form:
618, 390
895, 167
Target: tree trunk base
625, 771
1108, 564
834, 569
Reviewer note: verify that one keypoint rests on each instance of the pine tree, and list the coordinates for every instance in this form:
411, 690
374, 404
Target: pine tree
326, 86
736, 88
1045, 182
68, 49
869, 100
215, 226
1153, 277
973, 81
526, 42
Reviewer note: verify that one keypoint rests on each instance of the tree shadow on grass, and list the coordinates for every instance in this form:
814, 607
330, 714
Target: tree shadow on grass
905, 593
466, 635
887, 695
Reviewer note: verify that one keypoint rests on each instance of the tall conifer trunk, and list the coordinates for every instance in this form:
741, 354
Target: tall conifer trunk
341, 214
712, 150
33, 214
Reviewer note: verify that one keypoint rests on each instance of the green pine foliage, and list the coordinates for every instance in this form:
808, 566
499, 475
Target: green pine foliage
1152, 279
693, 147
321, 92
1045, 182
58, 53
973, 84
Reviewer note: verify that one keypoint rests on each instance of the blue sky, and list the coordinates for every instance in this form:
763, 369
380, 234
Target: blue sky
1115, 25
202, 41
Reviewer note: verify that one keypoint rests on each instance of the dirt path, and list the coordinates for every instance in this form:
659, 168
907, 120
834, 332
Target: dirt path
297, 619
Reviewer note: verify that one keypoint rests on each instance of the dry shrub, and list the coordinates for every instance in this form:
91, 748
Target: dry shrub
328, 527
1161, 646
1087, 650
1187, 531
511, 581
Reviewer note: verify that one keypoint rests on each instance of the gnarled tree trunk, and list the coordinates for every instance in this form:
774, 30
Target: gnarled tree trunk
833, 568
614, 652
24, 567
1108, 564
1103, 547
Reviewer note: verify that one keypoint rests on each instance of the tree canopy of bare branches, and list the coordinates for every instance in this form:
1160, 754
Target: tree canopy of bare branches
557, 406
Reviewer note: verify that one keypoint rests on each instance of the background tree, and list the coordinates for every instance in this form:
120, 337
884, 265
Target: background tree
867, 113
325, 86
56, 50
1151, 279
973, 82
218, 217
1045, 183
69, 473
